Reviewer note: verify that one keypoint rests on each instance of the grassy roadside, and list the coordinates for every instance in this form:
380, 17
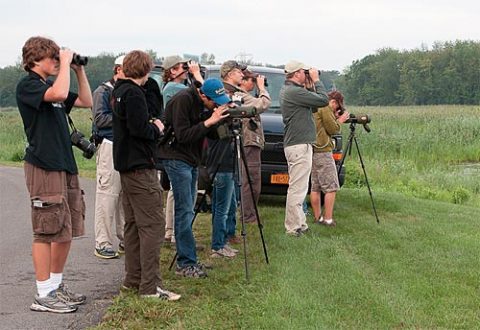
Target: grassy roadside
419, 268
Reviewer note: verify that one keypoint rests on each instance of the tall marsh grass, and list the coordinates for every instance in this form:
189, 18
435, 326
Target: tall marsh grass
430, 152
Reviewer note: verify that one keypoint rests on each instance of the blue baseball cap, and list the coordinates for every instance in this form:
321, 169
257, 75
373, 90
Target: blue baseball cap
213, 88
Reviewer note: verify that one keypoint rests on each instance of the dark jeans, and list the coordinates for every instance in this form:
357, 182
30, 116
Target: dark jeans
224, 206
183, 179
144, 229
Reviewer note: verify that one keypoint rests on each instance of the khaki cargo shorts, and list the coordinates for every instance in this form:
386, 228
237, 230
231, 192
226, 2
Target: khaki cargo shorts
58, 207
324, 173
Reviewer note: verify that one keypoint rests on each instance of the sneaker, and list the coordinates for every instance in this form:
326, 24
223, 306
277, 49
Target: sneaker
234, 240
69, 297
106, 253
222, 253
329, 223
51, 303
229, 248
193, 271
296, 233
163, 294
319, 221
204, 267
121, 248
304, 230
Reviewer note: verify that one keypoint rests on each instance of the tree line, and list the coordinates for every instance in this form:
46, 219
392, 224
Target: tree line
448, 73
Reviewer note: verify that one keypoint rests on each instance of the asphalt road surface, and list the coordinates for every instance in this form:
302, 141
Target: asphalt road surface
97, 278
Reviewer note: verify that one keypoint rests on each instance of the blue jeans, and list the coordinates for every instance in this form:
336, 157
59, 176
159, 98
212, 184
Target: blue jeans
183, 179
224, 206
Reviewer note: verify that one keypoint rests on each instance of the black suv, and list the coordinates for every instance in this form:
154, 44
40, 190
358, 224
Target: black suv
274, 164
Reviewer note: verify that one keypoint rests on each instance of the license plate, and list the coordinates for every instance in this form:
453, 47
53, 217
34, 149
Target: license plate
279, 178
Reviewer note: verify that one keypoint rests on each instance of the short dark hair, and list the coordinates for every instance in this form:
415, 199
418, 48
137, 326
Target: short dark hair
36, 49
137, 64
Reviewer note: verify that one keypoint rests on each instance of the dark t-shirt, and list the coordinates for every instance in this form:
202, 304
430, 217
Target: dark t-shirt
45, 123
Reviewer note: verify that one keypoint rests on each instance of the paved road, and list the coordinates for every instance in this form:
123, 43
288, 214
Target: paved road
98, 279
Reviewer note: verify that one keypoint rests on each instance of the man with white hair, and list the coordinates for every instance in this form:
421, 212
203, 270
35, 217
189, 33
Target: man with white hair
108, 205
302, 95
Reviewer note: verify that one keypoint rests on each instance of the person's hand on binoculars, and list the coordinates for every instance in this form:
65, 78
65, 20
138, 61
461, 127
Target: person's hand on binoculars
218, 114
65, 56
313, 73
260, 80
193, 67
344, 117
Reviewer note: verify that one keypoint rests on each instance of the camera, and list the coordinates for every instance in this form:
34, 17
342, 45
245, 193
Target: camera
242, 112
362, 119
79, 59
79, 141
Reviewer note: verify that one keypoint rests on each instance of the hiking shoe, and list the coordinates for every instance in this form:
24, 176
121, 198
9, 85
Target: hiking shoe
229, 248
106, 253
234, 240
222, 253
121, 248
296, 233
193, 271
51, 303
69, 297
163, 294
204, 267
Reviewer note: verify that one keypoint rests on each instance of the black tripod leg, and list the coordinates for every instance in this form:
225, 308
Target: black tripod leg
238, 158
366, 179
249, 179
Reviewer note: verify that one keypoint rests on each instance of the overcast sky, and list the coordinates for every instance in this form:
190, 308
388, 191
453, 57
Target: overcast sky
326, 34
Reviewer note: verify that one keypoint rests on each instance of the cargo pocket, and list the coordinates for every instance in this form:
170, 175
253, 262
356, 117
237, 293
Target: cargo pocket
48, 218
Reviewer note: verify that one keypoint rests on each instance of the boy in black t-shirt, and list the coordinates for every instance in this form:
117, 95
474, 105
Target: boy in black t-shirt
51, 174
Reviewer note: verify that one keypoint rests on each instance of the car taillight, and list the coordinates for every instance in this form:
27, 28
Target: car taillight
337, 156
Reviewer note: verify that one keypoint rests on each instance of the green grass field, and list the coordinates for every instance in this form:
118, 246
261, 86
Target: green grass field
419, 268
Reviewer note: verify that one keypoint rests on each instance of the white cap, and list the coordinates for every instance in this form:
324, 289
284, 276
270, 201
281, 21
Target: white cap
119, 60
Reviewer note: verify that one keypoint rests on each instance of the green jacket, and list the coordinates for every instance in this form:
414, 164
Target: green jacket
297, 105
327, 125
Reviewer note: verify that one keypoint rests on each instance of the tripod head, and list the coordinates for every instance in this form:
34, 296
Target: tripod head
353, 126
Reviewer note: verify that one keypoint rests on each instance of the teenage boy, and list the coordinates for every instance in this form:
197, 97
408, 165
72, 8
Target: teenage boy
134, 146
51, 174
108, 204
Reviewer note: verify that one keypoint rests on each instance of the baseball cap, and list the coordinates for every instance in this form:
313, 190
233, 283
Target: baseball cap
294, 66
119, 60
213, 88
228, 66
170, 61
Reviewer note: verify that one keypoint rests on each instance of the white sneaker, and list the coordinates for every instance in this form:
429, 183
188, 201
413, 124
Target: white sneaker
163, 294
229, 248
222, 253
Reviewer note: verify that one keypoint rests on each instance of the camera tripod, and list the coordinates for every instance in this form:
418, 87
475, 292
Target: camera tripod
238, 152
348, 150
